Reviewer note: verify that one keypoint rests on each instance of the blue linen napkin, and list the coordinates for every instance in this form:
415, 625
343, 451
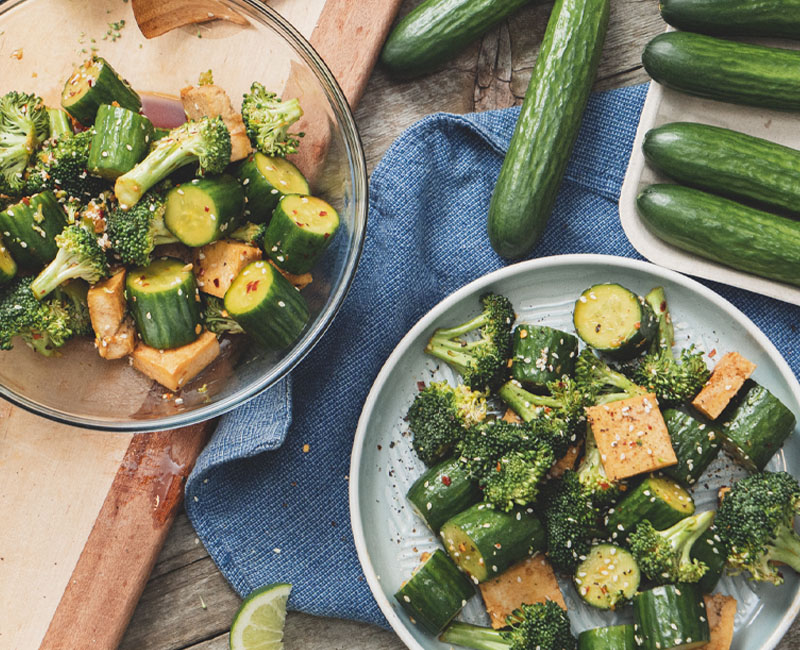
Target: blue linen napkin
273, 512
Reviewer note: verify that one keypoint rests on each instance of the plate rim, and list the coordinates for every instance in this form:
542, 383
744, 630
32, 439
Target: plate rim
521, 268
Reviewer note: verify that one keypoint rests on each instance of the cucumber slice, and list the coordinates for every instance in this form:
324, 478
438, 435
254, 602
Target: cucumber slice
121, 139
266, 305
266, 180
30, 227
541, 355
8, 267
615, 637
484, 542
435, 593
164, 302
95, 82
671, 617
607, 577
301, 228
614, 320
660, 500
710, 550
755, 425
203, 210
442, 492
696, 443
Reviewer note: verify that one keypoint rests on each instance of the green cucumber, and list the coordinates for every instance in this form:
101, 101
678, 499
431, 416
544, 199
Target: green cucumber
775, 18
710, 550
302, 227
541, 355
30, 227
614, 637
484, 542
95, 82
696, 443
660, 500
548, 125
672, 617
8, 267
266, 305
755, 425
203, 210
727, 71
607, 577
163, 300
726, 162
613, 320
435, 593
437, 30
121, 140
266, 180
442, 492
724, 231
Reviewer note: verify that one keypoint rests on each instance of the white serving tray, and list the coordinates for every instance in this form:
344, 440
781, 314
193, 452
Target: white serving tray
664, 105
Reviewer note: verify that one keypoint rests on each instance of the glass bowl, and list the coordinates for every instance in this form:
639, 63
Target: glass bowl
41, 41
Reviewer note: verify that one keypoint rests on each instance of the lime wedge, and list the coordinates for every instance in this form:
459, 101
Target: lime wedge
258, 625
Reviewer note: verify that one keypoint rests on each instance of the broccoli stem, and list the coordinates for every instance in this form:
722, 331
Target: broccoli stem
686, 532
525, 404
60, 124
786, 548
473, 636
160, 163
452, 355
471, 325
60, 270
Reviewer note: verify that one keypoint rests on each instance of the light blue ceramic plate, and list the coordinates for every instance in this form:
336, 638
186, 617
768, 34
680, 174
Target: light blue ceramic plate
389, 537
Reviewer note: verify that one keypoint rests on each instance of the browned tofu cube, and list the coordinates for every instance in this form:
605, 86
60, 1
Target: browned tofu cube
721, 612
631, 436
107, 305
729, 374
176, 368
212, 101
299, 282
567, 461
511, 416
120, 344
217, 264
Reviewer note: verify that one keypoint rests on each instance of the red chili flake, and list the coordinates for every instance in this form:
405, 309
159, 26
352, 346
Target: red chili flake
90, 83
294, 211
26, 200
207, 209
499, 466
252, 286
604, 486
323, 213
637, 326
216, 282
446, 480
420, 385
663, 306
712, 353
326, 235
36, 336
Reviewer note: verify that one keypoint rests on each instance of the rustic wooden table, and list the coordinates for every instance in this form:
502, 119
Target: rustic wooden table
187, 604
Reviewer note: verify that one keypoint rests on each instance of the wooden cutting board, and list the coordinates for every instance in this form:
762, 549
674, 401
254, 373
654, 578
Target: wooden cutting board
84, 513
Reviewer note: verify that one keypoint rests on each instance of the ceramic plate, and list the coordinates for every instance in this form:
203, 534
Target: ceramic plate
390, 539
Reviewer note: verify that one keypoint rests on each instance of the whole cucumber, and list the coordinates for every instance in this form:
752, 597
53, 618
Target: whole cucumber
437, 30
776, 18
548, 125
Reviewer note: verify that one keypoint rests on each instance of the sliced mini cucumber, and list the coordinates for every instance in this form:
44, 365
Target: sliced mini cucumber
607, 577
204, 209
266, 305
95, 82
614, 320
301, 228
696, 443
442, 492
8, 267
614, 637
671, 617
435, 593
266, 180
121, 140
660, 500
29, 229
710, 550
484, 542
541, 355
163, 300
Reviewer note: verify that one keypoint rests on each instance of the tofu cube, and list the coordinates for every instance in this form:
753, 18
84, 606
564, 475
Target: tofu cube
730, 373
567, 461
530, 581
217, 264
120, 344
631, 436
299, 282
107, 305
176, 368
211, 101
721, 612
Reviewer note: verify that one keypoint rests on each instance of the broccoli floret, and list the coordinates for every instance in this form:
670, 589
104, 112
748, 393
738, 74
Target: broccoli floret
79, 256
61, 165
24, 124
43, 325
439, 417
756, 524
599, 383
73, 296
541, 626
267, 119
205, 141
481, 362
592, 475
664, 555
250, 233
218, 320
570, 520
507, 460
134, 233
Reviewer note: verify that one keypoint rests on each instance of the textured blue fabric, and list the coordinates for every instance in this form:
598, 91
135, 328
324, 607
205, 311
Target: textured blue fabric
269, 512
